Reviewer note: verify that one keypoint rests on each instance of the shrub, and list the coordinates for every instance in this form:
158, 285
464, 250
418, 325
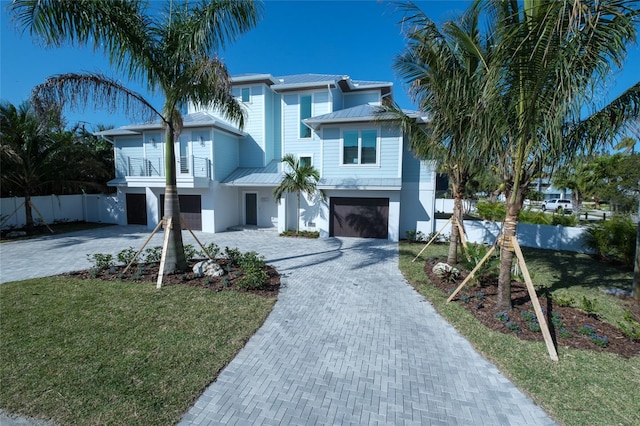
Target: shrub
589, 305
629, 326
502, 316
233, 254
533, 216
474, 254
101, 261
513, 326
491, 211
564, 220
153, 254
615, 239
563, 298
254, 276
125, 256
190, 252
213, 250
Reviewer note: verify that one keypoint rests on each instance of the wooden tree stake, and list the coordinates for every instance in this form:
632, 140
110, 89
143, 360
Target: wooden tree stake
472, 273
143, 246
431, 240
167, 231
534, 300
196, 238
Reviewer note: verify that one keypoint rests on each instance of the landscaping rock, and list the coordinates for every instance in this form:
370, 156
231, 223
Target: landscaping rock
442, 270
208, 268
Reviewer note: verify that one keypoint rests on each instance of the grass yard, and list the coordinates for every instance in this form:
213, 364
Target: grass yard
95, 352
583, 387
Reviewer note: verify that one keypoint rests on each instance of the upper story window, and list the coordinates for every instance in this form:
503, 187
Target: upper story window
305, 160
245, 94
359, 147
305, 112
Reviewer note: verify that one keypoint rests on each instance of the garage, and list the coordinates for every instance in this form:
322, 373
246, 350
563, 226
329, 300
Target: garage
136, 209
359, 217
190, 210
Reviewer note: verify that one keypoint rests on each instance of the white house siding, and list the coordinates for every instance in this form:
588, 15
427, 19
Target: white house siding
389, 143
126, 149
154, 152
253, 146
418, 194
361, 98
225, 155
292, 144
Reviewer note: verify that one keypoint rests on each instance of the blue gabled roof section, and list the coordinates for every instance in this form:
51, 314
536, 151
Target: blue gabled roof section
357, 114
196, 119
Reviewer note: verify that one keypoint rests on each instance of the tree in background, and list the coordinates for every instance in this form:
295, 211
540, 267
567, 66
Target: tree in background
298, 178
172, 51
547, 57
39, 157
446, 81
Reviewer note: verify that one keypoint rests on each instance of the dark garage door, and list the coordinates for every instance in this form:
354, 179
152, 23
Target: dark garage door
136, 209
190, 210
359, 217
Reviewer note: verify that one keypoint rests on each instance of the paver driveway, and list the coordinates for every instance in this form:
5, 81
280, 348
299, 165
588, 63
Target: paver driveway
348, 342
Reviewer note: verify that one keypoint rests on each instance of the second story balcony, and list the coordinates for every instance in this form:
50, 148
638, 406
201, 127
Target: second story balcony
192, 172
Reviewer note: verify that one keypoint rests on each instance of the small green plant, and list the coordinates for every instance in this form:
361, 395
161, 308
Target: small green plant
629, 326
190, 252
534, 326
564, 333
599, 340
213, 250
465, 298
153, 254
528, 316
513, 326
491, 211
233, 254
474, 253
502, 316
411, 235
125, 256
614, 239
480, 296
94, 272
446, 273
254, 276
101, 261
589, 305
587, 330
563, 298
556, 320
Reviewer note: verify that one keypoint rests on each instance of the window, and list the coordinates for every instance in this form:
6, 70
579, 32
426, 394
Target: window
305, 161
359, 147
305, 112
246, 94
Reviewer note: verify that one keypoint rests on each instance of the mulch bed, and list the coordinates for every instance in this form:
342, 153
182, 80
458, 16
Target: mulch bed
148, 272
480, 300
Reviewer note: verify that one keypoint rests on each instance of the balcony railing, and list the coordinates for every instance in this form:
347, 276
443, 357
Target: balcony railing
193, 166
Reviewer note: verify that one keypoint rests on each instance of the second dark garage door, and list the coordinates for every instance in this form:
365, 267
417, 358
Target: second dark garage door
359, 217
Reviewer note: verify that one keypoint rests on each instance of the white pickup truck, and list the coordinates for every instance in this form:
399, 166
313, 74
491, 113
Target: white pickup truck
557, 204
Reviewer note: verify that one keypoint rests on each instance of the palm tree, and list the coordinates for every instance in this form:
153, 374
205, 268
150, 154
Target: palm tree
36, 154
548, 55
446, 81
172, 51
298, 178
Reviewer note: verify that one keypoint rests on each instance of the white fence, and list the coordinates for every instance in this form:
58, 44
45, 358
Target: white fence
62, 208
537, 236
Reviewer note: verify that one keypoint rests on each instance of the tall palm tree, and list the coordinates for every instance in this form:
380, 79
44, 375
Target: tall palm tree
548, 56
298, 178
36, 154
446, 80
172, 51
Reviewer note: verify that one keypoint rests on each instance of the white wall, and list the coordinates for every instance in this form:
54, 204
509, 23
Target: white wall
548, 237
62, 208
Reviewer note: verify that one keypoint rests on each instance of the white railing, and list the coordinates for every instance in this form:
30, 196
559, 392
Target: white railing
195, 166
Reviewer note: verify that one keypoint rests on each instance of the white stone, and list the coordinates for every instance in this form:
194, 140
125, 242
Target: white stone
208, 268
442, 269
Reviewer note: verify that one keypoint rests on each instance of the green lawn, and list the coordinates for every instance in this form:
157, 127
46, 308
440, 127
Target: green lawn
96, 352
583, 387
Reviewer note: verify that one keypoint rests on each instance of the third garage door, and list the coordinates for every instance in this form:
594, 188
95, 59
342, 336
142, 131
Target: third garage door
359, 217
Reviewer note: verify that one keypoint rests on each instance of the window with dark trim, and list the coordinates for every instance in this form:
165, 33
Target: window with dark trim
305, 112
359, 147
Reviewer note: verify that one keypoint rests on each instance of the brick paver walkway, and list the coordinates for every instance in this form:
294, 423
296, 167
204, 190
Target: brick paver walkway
348, 342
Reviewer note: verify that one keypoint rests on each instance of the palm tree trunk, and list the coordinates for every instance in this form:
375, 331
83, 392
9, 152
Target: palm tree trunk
174, 257
458, 192
514, 205
298, 216
28, 212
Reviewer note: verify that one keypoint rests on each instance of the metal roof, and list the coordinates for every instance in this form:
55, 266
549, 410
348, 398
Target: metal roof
271, 175
355, 114
197, 119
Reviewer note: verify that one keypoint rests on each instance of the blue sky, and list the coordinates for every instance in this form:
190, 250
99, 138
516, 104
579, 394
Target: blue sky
355, 38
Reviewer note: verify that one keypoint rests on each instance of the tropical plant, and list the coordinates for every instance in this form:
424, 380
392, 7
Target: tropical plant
172, 51
297, 178
39, 157
547, 58
446, 81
